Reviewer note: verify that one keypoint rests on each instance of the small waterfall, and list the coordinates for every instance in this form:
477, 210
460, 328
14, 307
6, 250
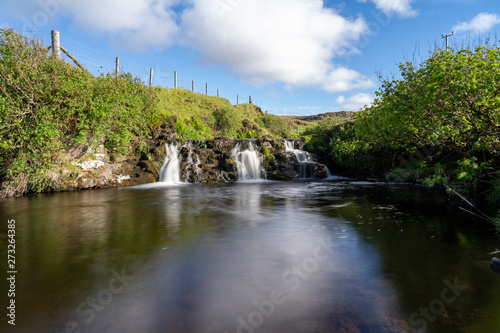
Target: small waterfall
307, 162
247, 161
170, 170
190, 166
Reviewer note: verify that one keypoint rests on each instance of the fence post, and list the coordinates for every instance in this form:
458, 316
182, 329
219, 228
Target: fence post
206, 89
237, 99
150, 77
56, 44
117, 69
250, 99
192, 88
175, 79
217, 92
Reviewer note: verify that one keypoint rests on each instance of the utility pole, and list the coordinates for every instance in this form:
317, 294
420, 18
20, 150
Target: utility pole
446, 36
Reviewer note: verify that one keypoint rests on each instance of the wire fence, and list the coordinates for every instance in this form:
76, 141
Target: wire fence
102, 63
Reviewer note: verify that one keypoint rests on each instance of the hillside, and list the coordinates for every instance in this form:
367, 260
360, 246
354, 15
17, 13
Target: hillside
345, 115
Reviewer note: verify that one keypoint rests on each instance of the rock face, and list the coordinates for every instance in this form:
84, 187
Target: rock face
219, 160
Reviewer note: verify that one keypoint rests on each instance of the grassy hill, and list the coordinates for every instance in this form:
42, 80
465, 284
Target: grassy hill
196, 116
341, 115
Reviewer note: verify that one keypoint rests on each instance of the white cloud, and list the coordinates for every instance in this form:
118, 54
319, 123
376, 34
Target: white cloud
356, 102
130, 24
293, 42
483, 22
269, 41
400, 7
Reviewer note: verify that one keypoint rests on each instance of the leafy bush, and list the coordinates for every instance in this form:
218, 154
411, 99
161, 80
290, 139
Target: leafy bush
277, 126
452, 100
438, 124
47, 105
227, 121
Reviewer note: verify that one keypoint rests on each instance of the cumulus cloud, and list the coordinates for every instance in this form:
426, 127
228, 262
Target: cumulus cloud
293, 42
482, 22
399, 7
130, 24
356, 102
266, 41
134, 25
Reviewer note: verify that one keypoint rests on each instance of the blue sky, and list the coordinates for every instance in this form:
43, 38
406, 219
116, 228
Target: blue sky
298, 57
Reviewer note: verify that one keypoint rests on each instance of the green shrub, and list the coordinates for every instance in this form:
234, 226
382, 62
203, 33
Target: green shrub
227, 121
46, 105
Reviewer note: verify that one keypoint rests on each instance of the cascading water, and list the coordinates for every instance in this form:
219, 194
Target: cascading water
170, 170
191, 168
247, 161
306, 161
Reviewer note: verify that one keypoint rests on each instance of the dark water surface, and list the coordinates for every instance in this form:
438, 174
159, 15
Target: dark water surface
250, 257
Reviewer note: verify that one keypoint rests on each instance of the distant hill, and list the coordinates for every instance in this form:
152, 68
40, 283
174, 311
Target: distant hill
321, 116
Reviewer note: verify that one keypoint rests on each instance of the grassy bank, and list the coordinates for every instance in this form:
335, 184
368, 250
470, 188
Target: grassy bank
51, 110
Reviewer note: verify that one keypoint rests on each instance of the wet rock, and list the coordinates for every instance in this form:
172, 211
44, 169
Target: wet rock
150, 167
139, 178
495, 265
207, 161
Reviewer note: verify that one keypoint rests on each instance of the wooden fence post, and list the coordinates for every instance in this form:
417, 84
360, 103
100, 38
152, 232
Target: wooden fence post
217, 92
56, 44
150, 77
117, 68
175, 79
192, 87
237, 99
206, 89
250, 99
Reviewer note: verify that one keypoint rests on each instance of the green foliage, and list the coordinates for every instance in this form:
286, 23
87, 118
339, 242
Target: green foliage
227, 121
495, 193
438, 176
277, 126
437, 124
452, 101
47, 105
318, 135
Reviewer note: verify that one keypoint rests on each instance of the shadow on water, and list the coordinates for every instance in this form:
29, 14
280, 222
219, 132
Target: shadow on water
251, 257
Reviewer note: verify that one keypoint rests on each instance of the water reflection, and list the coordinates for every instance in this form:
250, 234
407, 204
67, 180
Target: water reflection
256, 257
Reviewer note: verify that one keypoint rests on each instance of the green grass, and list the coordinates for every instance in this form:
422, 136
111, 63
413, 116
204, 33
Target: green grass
198, 116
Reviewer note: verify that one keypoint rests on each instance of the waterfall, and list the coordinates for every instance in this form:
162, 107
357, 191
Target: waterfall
191, 167
307, 162
170, 170
247, 161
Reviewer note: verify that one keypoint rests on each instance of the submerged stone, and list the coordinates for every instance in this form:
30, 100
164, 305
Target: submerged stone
495, 265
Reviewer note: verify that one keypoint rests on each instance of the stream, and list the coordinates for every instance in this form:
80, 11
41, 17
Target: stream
250, 256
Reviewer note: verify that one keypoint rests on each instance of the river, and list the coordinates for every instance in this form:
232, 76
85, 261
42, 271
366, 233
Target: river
301, 256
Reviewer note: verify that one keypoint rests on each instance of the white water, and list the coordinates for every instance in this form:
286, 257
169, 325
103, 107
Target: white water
192, 165
170, 170
247, 162
305, 159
